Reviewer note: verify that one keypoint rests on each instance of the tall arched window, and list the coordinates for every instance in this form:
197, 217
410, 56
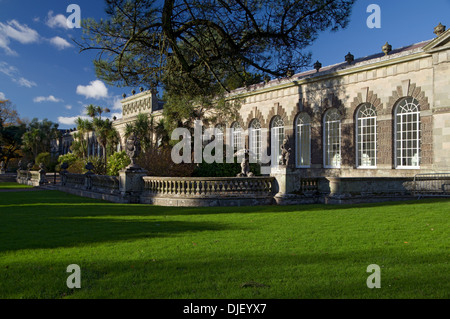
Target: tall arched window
255, 140
303, 140
407, 133
277, 138
332, 139
236, 137
366, 136
218, 133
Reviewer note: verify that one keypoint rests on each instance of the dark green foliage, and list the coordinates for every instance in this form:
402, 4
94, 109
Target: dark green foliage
117, 162
197, 51
37, 139
223, 169
46, 159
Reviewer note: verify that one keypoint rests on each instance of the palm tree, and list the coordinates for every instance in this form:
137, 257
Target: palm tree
143, 128
91, 110
83, 128
105, 132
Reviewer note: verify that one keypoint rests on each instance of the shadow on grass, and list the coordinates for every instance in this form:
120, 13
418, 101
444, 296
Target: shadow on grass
48, 231
308, 275
50, 219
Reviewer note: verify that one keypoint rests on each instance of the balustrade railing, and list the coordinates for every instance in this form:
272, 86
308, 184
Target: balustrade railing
436, 184
106, 183
208, 187
309, 185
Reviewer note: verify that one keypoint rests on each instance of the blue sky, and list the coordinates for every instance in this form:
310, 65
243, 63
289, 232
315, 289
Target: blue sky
45, 76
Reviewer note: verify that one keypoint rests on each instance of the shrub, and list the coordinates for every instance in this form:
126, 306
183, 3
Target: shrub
223, 169
158, 162
46, 159
117, 162
77, 164
98, 162
68, 158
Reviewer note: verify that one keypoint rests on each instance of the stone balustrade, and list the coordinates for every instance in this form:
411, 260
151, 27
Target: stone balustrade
32, 178
109, 184
73, 180
208, 191
309, 185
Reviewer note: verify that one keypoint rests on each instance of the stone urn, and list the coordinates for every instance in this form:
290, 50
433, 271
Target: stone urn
133, 150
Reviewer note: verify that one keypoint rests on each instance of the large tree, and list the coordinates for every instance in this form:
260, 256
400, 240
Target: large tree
8, 113
11, 142
201, 49
38, 137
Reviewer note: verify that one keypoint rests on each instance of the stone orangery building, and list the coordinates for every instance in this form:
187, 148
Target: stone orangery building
365, 125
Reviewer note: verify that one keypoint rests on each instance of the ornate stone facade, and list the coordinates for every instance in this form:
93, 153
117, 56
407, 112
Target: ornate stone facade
419, 74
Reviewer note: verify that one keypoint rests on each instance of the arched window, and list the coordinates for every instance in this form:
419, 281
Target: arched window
366, 136
407, 133
218, 133
236, 137
255, 140
332, 139
277, 138
303, 141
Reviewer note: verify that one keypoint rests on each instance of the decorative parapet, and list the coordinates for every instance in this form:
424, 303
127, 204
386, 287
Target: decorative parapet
108, 184
208, 191
31, 178
209, 186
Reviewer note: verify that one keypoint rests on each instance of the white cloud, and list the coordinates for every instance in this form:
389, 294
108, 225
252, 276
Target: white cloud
67, 120
4, 43
7, 69
50, 98
16, 31
24, 82
70, 120
14, 74
68, 107
2, 96
19, 32
60, 43
96, 90
117, 104
58, 21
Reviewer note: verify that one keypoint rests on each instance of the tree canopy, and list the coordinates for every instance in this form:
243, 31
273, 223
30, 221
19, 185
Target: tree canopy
8, 113
193, 48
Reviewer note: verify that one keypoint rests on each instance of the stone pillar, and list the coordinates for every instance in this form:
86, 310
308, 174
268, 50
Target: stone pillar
335, 191
131, 184
63, 173
284, 184
2, 168
42, 175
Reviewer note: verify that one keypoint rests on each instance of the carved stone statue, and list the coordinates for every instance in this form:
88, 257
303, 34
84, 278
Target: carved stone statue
285, 152
133, 150
245, 166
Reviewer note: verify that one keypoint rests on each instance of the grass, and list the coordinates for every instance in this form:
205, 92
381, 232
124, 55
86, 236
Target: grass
277, 252
13, 186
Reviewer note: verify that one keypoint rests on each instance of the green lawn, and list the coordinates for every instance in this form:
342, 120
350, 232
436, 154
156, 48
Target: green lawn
139, 251
13, 186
